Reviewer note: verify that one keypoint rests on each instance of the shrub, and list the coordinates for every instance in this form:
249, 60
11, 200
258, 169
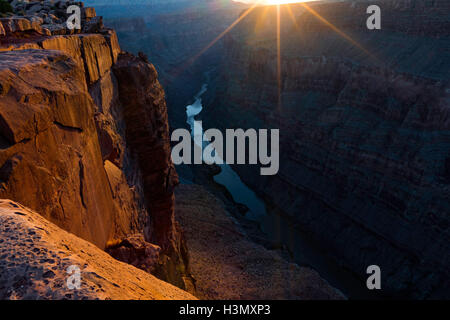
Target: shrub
5, 7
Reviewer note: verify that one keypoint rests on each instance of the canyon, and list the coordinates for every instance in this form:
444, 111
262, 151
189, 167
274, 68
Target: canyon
87, 179
364, 132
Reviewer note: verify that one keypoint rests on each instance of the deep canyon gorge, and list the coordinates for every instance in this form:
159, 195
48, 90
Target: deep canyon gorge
364, 131
85, 152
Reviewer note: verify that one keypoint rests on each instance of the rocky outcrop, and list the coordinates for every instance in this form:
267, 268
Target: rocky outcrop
37, 257
364, 132
50, 140
147, 133
137, 252
171, 35
70, 148
48, 17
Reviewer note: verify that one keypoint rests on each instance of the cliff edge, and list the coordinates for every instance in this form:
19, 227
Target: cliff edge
78, 144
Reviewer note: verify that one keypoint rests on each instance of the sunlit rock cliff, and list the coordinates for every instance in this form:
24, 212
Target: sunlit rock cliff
84, 133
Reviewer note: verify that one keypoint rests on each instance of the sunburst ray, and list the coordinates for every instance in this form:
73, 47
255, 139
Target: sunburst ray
213, 42
337, 30
260, 21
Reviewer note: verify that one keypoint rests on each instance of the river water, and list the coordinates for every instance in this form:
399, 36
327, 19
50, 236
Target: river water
279, 229
227, 176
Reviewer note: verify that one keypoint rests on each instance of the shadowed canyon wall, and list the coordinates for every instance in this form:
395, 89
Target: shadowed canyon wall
365, 131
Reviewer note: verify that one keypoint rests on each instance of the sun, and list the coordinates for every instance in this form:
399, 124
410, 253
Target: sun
272, 2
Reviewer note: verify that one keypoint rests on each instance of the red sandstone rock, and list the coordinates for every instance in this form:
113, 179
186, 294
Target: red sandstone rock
95, 46
62, 130
89, 13
36, 255
55, 140
106, 170
147, 134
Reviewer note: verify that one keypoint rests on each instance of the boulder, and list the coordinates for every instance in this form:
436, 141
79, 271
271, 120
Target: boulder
36, 22
55, 29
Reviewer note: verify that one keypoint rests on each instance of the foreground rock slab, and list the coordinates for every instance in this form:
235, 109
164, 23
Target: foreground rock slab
35, 255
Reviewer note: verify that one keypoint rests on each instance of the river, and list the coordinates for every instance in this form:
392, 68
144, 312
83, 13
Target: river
227, 176
277, 228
